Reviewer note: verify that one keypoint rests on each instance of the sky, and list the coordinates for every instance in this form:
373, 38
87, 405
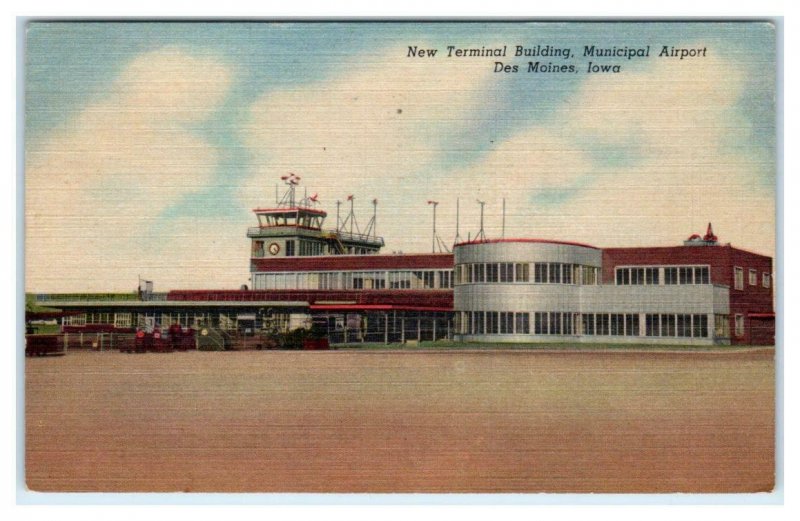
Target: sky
147, 145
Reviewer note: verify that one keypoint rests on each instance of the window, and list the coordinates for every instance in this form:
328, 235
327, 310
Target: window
739, 325
75, 320
540, 272
399, 280
602, 324
328, 280
522, 323
765, 280
310, 248
567, 322
686, 275
522, 272
445, 279
422, 280
617, 324
290, 248
554, 273
701, 275
540, 323
631, 325
478, 327
506, 272
668, 325
722, 326
491, 322
506, 323
685, 325
588, 323
753, 278
637, 276
738, 278
670, 275
699, 326
123, 320
555, 323
652, 325
378, 280
480, 272
567, 275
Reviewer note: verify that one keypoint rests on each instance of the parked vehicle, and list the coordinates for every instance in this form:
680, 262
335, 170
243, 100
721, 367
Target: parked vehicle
42, 345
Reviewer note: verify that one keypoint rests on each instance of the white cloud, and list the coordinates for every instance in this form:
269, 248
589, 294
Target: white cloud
94, 188
378, 130
676, 120
374, 131
673, 118
680, 118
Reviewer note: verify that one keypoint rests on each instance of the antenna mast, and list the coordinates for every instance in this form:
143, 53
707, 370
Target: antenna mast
372, 225
458, 235
288, 199
481, 236
351, 217
436, 241
433, 237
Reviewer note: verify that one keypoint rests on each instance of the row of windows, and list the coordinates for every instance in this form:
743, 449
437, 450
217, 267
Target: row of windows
303, 248
309, 248
225, 321
738, 278
543, 273
593, 324
417, 279
617, 324
680, 325
287, 219
117, 319
492, 322
650, 275
492, 272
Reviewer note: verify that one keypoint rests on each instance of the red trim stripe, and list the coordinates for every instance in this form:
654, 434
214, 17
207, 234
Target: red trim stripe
543, 241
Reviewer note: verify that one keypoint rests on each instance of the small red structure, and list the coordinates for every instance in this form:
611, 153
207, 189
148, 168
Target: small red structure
709, 236
187, 339
41, 345
161, 343
316, 344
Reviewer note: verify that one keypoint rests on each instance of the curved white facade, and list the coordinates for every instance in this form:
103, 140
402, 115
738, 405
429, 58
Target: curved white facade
520, 290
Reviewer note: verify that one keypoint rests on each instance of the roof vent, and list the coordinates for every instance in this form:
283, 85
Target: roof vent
709, 239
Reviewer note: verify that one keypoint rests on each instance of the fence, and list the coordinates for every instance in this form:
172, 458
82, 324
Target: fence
97, 341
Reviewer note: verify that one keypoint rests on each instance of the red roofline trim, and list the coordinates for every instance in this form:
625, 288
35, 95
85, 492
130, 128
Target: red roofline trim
543, 241
680, 246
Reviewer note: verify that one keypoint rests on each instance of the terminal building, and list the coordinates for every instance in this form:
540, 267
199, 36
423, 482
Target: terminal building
532, 290
507, 290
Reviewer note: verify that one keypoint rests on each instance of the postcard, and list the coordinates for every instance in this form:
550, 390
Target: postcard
396, 257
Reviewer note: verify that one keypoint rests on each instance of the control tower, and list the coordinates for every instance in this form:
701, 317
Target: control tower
294, 228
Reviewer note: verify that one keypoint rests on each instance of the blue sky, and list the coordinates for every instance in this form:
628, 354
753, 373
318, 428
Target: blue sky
531, 139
